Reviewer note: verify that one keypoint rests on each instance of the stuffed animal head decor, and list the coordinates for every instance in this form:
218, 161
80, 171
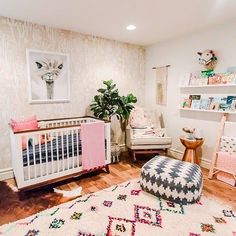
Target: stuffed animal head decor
208, 59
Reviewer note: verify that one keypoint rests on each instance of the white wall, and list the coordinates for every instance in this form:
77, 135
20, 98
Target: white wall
92, 60
181, 54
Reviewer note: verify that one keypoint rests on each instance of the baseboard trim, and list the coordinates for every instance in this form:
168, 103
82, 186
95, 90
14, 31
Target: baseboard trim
205, 163
6, 174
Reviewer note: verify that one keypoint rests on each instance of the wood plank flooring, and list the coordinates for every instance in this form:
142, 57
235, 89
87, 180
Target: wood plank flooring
12, 208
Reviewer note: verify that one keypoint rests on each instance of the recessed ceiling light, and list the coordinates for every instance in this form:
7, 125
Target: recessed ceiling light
131, 27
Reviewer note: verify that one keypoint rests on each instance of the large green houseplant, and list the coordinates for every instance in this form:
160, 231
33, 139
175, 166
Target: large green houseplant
108, 103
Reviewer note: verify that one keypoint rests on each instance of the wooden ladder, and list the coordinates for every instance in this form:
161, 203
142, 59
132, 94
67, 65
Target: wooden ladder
213, 169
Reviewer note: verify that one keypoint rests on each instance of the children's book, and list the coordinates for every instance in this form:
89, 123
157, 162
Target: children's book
195, 104
186, 103
204, 105
185, 80
224, 106
215, 79
195, 77
215, 103
230, 99
233, 105
195, 97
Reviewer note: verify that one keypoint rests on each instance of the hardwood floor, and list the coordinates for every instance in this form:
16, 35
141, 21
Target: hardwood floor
12, 208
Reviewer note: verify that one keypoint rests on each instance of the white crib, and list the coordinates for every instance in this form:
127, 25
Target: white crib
56, 158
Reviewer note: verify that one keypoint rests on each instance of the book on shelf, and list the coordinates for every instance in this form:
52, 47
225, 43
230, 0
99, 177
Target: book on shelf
194, 78
231, 69
233, 105
195, 104
195, 97
215, 79
186, 103
209, 77
214, 103
185, 79
231, 100
204, 105
224, 106
217, 103
231, 72
223, 78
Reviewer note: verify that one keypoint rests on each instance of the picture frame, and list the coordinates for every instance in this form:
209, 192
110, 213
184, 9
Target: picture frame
48, 76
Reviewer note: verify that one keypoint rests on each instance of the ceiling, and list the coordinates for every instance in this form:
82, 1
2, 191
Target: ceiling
156, 20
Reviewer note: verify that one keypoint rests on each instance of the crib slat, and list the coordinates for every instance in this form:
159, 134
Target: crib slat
77, 136
34, 160
73, 150
46, 150
40, 155
62, 147
28, 160
57, 148
67, 149
52, 160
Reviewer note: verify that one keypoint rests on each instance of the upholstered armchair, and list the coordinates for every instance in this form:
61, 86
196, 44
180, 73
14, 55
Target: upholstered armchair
145, 133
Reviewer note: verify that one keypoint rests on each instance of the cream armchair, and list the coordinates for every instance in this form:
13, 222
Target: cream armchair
144, 133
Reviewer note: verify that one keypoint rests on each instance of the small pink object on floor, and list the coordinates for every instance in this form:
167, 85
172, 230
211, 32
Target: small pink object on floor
227, 162
93, 145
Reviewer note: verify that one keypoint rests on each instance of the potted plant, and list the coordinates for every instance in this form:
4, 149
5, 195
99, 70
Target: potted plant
108, 103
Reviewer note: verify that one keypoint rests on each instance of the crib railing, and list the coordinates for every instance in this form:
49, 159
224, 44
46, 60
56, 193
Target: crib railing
51, 152
65, 122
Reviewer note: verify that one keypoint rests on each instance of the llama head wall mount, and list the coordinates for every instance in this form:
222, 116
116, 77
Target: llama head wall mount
208, 59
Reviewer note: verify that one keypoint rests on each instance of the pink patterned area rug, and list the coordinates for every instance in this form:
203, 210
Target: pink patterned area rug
126, 210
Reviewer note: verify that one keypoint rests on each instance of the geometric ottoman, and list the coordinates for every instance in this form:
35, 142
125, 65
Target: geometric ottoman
173, 180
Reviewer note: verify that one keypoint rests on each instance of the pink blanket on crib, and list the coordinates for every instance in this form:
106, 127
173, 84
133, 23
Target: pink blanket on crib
93, 145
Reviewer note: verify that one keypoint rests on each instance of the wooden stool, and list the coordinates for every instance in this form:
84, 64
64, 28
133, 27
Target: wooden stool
190, 154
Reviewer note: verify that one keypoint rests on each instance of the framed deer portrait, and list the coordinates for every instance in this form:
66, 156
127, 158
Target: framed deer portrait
48, 75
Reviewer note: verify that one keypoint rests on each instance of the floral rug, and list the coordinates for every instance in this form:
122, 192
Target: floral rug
126, 210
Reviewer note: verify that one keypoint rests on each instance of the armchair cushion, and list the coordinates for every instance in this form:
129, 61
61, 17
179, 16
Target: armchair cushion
151, 141
149, 136
141, 119
144, 131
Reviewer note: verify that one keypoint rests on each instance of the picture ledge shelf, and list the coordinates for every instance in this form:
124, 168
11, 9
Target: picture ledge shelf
212, 111
207, 86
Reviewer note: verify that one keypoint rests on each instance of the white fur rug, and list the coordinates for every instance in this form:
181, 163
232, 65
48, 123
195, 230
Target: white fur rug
72, 193
126, 210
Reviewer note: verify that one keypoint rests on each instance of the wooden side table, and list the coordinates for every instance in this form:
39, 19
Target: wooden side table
190, 154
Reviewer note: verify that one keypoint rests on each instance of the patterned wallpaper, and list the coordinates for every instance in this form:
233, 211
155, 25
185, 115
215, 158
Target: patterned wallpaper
92, 60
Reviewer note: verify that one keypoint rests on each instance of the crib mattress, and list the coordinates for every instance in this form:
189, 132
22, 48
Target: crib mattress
57, 149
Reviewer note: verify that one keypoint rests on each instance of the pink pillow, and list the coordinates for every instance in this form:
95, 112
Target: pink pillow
30, 123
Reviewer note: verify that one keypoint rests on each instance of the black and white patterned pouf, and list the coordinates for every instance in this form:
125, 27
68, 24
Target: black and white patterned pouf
173, 180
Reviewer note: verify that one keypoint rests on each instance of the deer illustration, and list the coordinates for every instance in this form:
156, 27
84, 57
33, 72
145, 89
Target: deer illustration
49, 70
